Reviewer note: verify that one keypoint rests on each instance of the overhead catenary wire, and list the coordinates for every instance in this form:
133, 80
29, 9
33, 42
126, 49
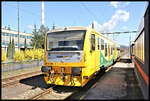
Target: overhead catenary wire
29, 12
120, 32
90, 12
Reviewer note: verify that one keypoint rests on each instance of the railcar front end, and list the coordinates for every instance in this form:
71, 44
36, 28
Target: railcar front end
64, 58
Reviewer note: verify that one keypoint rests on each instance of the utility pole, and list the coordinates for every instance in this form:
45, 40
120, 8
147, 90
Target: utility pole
18, 28
130, 41
43, 17
53, 26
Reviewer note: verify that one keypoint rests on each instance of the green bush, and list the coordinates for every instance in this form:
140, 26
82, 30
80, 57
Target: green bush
3, 58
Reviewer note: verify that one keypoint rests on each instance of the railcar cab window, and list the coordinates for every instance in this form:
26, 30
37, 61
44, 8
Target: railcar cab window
65, 40
92, 42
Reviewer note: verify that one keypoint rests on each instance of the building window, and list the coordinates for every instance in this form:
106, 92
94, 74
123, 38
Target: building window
3, 34
7, 34
3, 43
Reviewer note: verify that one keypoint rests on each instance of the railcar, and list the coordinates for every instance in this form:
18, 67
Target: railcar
141, 54
73, 55
118, 51
132, 51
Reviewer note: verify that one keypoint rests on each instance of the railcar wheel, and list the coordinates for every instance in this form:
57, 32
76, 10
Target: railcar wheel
102, 69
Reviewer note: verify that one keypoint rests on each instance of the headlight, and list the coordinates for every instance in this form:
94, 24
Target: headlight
76, 71
49, 68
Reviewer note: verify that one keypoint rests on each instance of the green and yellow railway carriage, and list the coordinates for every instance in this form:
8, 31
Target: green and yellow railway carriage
74, 54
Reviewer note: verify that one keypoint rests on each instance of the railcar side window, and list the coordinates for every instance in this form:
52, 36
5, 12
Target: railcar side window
93, 42
111, 49
108, 49
98, 45
105, 49
102, 44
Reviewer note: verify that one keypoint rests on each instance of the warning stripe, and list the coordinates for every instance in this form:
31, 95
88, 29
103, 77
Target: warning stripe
142, 73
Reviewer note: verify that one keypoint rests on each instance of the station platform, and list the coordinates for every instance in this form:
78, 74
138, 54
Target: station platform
118, 83
124, 62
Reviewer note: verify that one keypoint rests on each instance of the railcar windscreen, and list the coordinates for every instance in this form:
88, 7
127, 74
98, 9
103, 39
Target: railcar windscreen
65, 40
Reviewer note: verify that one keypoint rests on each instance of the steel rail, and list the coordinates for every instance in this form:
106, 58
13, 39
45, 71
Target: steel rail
15, 79
42, 93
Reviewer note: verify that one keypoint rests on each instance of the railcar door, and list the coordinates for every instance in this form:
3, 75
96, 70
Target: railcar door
109, 52
97, 54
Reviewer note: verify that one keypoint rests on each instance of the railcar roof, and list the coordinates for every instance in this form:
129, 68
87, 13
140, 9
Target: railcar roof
78, 28
67, 29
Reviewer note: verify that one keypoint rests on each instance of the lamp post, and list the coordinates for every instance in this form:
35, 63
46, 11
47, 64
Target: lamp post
43, 17
18, 28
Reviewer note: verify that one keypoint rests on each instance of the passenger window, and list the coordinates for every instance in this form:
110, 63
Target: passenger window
108, 49
98, 45
111, 49
102, 44
105, 49
93, 42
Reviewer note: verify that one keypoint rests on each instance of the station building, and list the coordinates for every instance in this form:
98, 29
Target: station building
7, 35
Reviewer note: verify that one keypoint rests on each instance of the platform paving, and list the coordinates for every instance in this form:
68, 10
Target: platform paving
119, 82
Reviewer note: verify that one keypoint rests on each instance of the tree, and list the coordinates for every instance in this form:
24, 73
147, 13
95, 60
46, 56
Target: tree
13, 48
38, 39
25, 44
34, 38
9, 49
9, 27
42, 33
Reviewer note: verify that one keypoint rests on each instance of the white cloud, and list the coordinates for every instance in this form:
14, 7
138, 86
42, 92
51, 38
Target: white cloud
120, 15
114, 3
30, 27
119, 4
125, 4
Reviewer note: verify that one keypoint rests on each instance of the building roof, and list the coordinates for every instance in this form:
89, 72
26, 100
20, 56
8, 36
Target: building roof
15, 32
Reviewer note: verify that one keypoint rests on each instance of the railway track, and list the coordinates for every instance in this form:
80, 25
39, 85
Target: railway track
41, 94
15, 79
50, 93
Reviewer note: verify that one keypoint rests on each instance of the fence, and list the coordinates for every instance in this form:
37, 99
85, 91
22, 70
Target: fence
10, 66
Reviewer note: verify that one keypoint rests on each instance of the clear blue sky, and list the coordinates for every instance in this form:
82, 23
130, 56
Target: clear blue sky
110, 16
